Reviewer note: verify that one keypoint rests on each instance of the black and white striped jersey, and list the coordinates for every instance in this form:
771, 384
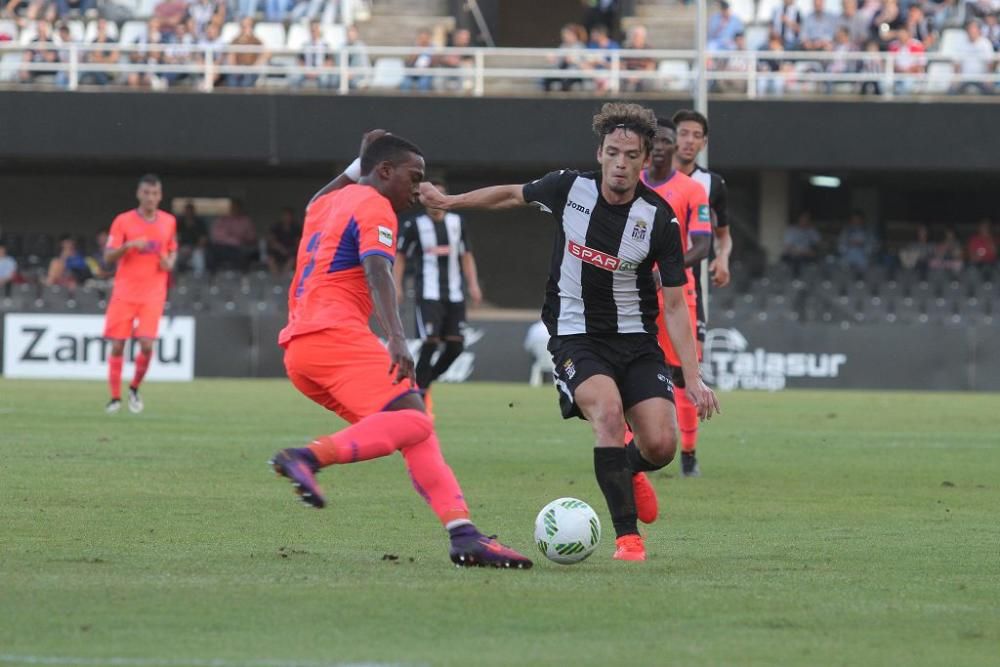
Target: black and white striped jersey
718, 195
601, 276
434, 250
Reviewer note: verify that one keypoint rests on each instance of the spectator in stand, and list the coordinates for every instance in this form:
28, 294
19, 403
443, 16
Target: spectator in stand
246, 38
63, 38
637, 40
40, 54
856, 244
818, 28
911, 59
316, 53
357, 59
601, 12
69, 9
171, 14
69, 269
916, 254
919, 28
773, 68
802, 243
33, 10
233, 239
106, 56
991, 30
310, 10
192, 241
887, 23
150, 52
571, 40
8, 269
786, 23
982, 246
975, 60
599, 39
276, 10
210, 45
460, 39
422, 60
243, 8
180, 51
947, 255
858, 20
723, 26
871, 65
841, 64
203, 12
96, 263
283, 243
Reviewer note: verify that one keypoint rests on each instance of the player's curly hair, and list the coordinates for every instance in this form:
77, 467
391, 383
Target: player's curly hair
626, 116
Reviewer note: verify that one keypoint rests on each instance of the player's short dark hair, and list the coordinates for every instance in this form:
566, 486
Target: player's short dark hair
684, 115
149, 179
625, 116
662, 121
387, 148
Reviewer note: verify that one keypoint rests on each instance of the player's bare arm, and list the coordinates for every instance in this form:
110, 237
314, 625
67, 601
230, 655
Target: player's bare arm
398, 271
723, 250
382, 287
675, 315
496, 197
167, 261
345, 179
700, 245
472, 278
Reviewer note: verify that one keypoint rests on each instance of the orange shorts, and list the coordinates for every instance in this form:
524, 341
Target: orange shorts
664, 340
344, 370
125, 320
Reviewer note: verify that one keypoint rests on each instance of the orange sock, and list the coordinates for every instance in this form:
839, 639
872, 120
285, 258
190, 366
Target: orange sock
115, 376
687, 419
629, 435
374, 436
434, 480
141, 366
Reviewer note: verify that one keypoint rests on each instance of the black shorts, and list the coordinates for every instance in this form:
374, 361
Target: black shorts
634, 361
440, 319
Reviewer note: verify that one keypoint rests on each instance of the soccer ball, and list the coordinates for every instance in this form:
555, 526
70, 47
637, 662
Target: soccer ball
567, 530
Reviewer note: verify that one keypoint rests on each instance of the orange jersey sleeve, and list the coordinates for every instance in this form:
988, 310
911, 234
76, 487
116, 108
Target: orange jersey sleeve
700, 213
329, 289
139, 278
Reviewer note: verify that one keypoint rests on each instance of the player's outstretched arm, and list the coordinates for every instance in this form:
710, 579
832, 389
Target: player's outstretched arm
492, 198
382, 286
700, 244
675, 315
353, 171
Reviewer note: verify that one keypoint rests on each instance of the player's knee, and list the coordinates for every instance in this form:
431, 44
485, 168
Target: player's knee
117, 348
660, 448
608, 423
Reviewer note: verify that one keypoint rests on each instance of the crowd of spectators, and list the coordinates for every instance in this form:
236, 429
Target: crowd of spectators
857, 247
910, 29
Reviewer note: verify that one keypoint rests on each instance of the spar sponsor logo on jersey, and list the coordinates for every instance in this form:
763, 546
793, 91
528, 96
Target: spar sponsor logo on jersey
602, 260
731, 364
73, 347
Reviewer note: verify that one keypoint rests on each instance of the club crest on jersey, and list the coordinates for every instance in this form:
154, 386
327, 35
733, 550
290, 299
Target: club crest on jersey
569, 369
639, 231
596, 257
385, 236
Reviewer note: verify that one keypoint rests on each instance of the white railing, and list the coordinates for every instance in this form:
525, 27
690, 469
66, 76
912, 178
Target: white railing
498, 71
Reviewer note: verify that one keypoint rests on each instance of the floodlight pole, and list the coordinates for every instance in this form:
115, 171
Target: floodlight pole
701, 105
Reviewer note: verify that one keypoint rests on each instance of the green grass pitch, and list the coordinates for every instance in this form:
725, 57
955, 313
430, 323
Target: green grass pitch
829, 528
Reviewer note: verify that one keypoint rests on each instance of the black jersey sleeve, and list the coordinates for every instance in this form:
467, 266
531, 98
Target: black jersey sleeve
408, 238
720, 201
550, 191
667, 248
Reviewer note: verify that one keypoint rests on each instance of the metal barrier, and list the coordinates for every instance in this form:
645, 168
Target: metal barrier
498, 71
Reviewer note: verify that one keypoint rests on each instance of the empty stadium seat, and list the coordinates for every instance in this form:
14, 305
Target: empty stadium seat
744, 9
9, 27
953, 40
939, 77
674, 75
272, 34
335, 35
132, 31
76, 29
388, 73
10, 64
298, 35
91, 32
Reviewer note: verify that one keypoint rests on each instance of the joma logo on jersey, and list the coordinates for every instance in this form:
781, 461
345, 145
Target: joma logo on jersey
595, 257
578, 207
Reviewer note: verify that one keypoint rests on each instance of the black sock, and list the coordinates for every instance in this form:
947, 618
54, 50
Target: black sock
427, 351
615, 479
636, 462
452, 350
